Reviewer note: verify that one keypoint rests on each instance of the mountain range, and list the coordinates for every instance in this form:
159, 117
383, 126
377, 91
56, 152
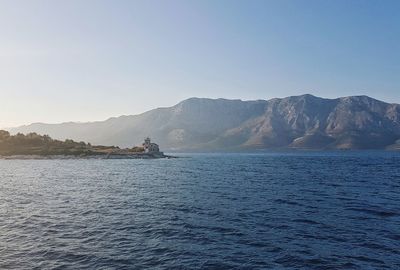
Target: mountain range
202, 124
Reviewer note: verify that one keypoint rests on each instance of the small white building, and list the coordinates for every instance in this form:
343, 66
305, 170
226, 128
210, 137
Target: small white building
150, 147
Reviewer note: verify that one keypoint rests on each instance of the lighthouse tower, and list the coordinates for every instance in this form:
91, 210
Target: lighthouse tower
150, 147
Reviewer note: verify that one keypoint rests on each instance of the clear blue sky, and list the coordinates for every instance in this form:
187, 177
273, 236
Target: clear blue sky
84, 60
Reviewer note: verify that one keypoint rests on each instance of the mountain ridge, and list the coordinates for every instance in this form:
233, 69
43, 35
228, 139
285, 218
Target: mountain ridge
204, 124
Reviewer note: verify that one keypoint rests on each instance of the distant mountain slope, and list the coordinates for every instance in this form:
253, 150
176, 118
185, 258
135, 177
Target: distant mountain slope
309, 122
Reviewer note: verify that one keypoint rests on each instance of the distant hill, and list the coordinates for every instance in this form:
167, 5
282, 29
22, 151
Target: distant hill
200, 124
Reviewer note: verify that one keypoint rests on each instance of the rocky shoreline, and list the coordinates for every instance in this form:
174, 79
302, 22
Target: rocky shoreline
108, 156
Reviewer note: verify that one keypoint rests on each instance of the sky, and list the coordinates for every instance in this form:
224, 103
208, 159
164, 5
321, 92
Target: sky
73, 60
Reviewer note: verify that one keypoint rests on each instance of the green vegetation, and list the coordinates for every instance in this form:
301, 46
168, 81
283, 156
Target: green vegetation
34, 144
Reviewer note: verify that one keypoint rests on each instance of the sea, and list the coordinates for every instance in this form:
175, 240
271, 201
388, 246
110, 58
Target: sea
285, 210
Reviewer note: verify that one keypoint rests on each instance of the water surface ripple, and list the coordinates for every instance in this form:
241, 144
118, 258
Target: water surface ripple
215, 211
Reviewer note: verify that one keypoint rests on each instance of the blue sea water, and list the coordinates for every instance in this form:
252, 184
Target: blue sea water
319, 210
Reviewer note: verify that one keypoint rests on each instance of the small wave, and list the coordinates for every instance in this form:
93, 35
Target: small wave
375, 212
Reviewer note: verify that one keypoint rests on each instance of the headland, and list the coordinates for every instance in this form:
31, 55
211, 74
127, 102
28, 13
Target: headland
35, 146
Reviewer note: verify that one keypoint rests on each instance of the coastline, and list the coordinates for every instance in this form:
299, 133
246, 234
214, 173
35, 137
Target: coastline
108, 156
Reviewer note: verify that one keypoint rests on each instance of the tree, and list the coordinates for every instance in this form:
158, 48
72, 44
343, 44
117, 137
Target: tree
4, 134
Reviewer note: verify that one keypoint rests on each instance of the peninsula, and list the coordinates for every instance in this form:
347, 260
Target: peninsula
35, 146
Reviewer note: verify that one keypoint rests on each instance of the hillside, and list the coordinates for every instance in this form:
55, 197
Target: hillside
199, 124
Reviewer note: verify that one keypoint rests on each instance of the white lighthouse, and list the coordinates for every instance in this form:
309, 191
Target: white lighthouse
150, 147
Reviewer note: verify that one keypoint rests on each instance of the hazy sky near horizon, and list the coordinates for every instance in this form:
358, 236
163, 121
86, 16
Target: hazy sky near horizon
89, 60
